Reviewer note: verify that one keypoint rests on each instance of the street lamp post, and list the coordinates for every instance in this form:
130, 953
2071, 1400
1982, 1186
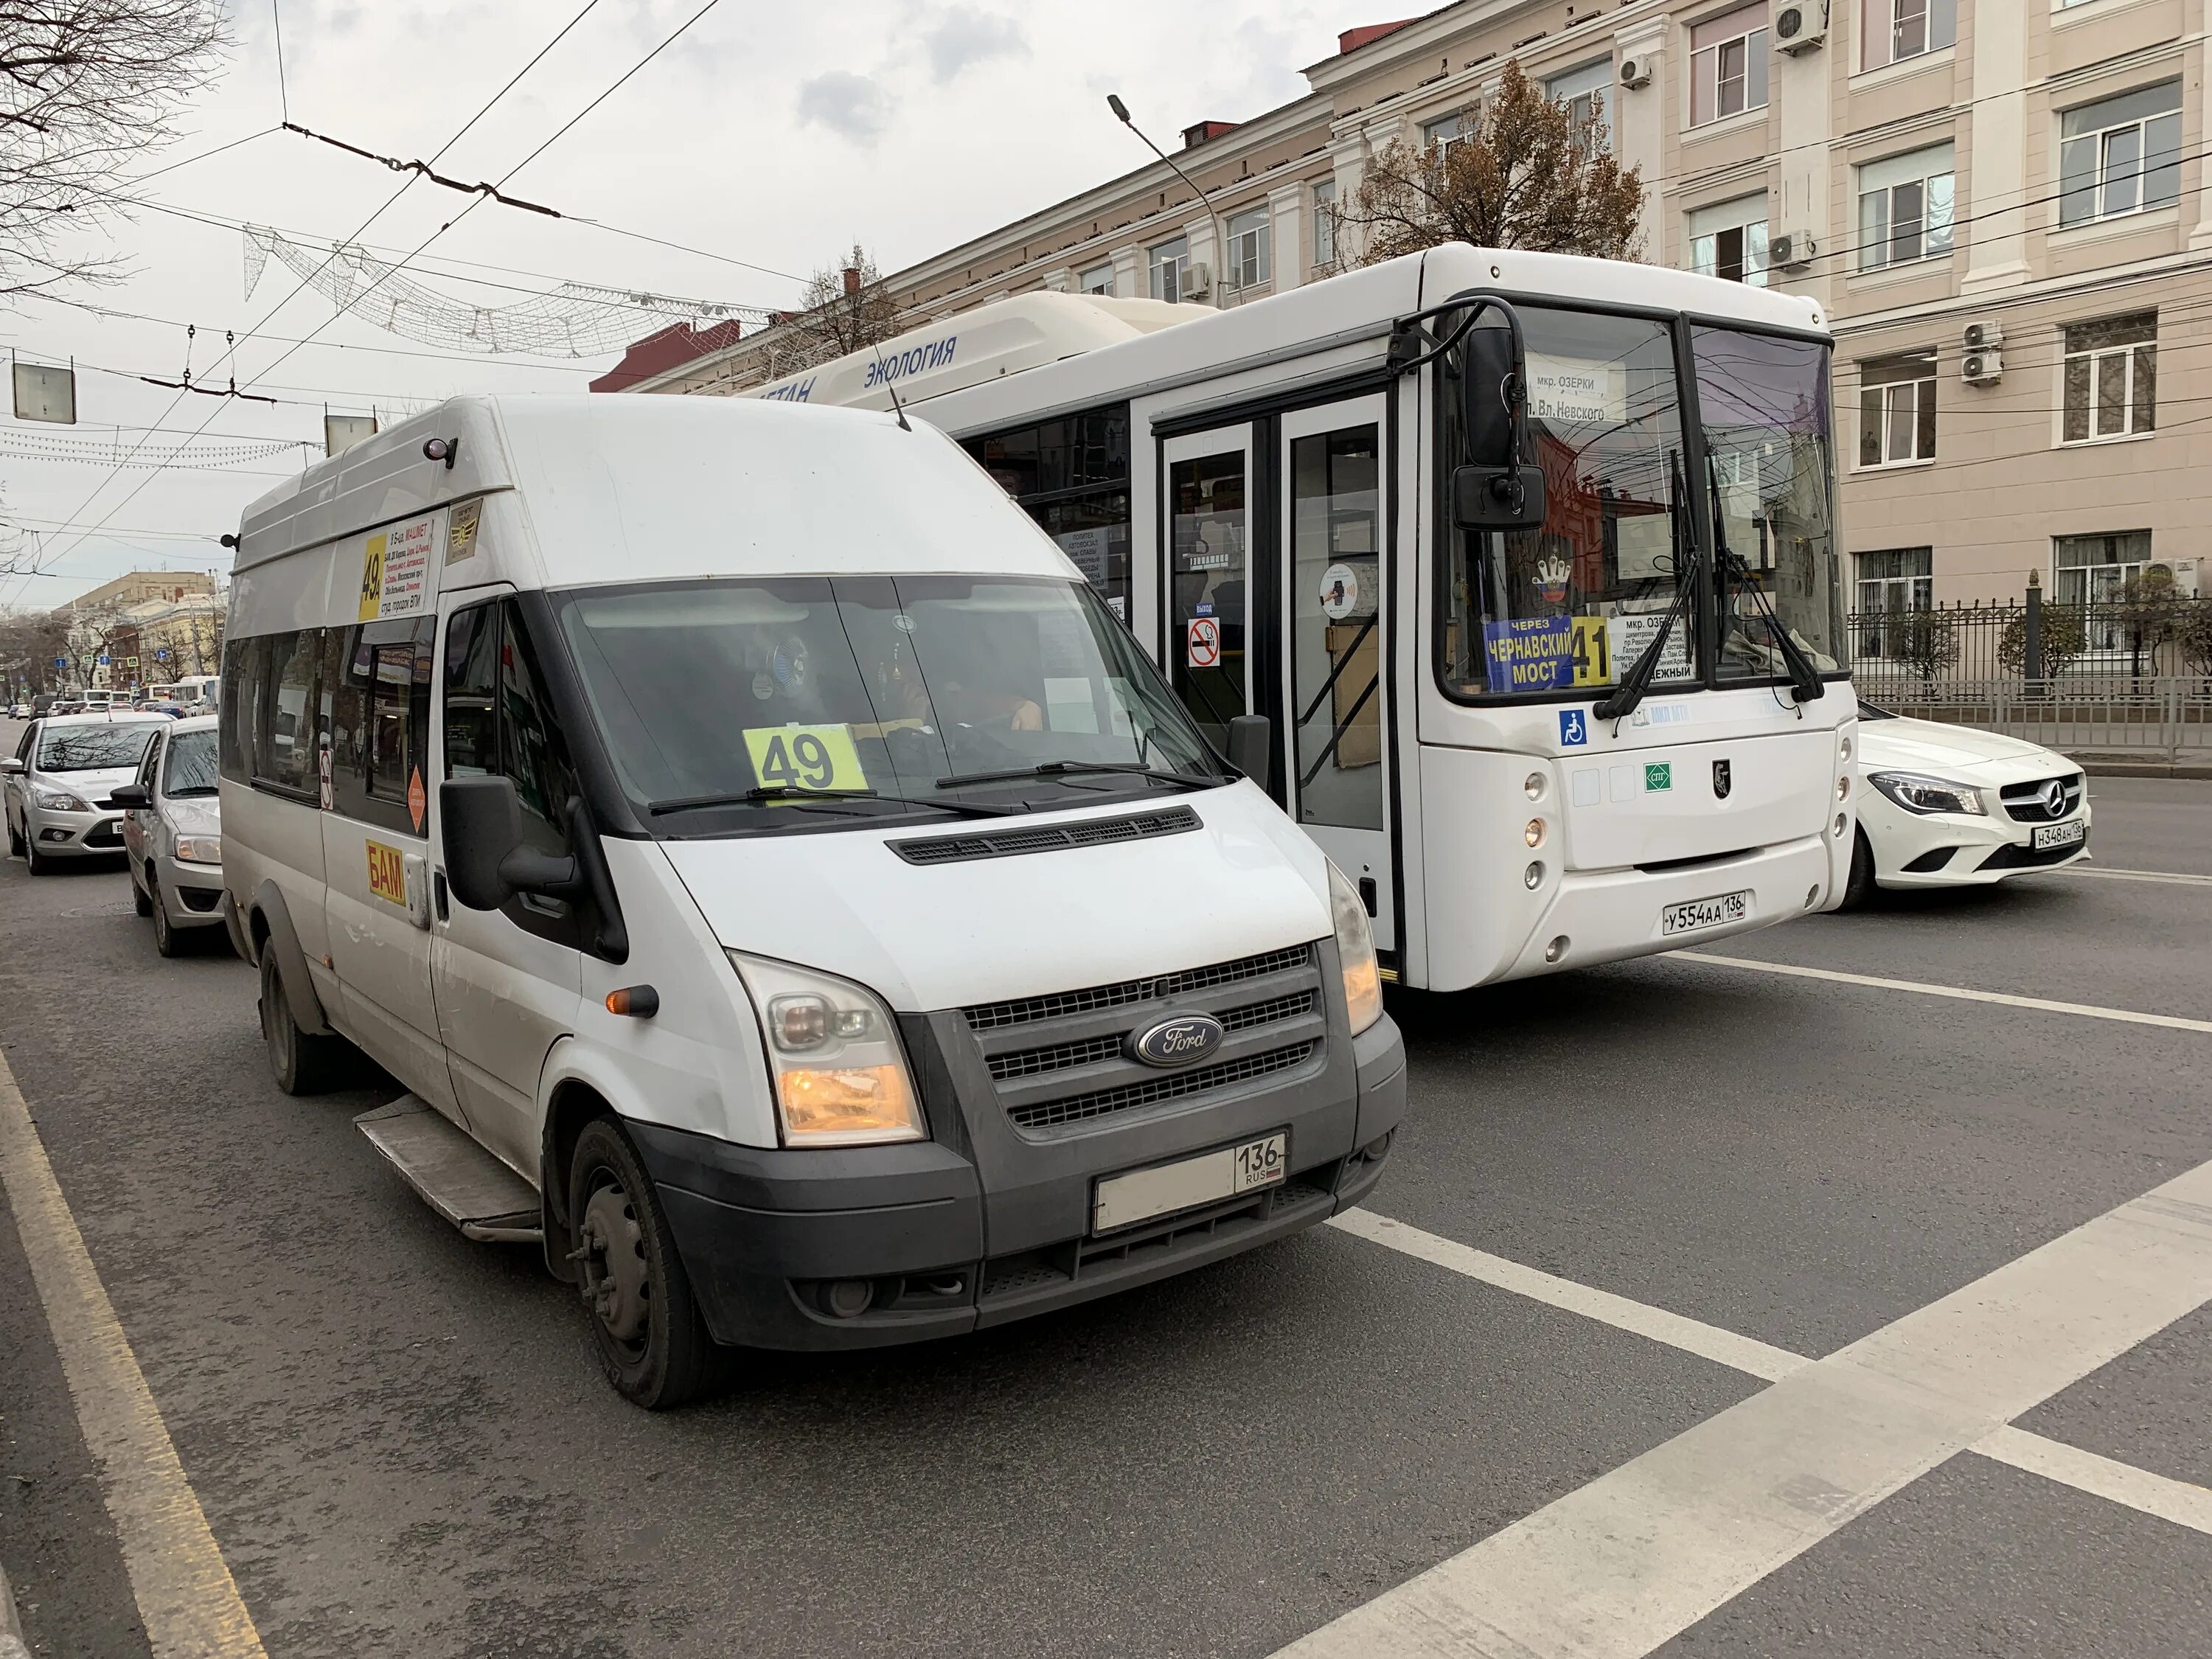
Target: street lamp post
1220, 241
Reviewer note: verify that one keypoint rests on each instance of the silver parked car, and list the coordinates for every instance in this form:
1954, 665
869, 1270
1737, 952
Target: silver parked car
172, 832
60, 782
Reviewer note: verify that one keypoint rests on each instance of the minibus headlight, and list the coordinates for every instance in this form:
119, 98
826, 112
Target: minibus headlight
832, 1053
1355, 953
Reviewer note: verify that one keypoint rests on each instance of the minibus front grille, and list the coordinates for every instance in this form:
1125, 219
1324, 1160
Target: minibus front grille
1047, 838
1078, 1108
1092, 1051
1023, 1010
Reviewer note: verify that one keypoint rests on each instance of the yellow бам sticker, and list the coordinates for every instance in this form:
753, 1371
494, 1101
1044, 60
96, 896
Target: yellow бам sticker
371, 578
387, 873
804, 757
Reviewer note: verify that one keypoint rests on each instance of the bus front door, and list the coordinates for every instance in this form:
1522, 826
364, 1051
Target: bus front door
1335, 622
1208, 577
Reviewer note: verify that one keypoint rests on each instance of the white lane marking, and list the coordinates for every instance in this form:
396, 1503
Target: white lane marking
188, 1604
2110, 874
1625, 1564
2120, 1483
2088, 1010
1674, 1330
2178, 1501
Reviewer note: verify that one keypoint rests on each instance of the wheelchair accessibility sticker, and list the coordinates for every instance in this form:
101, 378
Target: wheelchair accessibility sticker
1574, 728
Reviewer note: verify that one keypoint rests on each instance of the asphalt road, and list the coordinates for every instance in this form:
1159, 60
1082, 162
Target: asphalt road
401, 1443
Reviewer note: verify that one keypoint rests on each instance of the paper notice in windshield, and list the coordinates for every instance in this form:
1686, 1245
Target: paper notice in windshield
1570, 392
802, 758
395, 569
1630, 634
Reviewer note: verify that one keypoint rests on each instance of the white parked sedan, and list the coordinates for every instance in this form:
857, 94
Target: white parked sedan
172, 834
58, 782
1950, 806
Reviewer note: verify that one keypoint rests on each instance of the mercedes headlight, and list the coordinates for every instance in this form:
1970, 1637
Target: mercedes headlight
833, 1052
59, 800
199, 849
1355, 953
1916, 793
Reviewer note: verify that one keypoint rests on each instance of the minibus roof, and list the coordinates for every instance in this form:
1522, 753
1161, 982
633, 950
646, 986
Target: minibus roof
624, 488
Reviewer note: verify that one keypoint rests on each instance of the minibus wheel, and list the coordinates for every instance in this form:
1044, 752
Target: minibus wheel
302, 1065
653, 1343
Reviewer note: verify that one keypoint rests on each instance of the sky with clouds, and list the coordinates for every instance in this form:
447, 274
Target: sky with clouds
765, 140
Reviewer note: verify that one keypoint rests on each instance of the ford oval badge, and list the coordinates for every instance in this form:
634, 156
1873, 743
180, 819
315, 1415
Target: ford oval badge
1179, 1041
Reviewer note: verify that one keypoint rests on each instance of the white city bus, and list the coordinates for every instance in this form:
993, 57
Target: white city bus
1573, 704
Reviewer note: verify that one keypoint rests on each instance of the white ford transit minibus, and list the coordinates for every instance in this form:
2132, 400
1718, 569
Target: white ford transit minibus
782, 886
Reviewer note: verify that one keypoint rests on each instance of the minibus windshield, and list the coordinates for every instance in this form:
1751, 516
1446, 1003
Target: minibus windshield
710, 692
93, 748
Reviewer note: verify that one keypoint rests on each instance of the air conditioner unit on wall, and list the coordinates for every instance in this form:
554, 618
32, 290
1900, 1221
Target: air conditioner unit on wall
1793, 249
1984, 336
1195, 282
1636, 71
1801, 28
2184, 573
1982, 368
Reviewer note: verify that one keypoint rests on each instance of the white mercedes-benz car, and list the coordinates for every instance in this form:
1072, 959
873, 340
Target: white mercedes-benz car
1951, 807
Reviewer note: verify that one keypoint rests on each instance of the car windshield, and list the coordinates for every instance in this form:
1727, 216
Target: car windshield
1763, 401
93, 748
189, 766
1574, 602
709, 691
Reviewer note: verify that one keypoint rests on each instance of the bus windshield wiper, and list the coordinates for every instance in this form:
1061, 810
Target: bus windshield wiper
793, 794
1637, 680
1804, 679
1075, 769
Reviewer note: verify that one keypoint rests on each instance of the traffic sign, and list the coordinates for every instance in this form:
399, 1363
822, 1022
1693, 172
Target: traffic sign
162, 655
103, 659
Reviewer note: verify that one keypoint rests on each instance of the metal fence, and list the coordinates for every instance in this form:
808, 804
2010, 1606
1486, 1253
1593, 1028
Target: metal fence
2124, 676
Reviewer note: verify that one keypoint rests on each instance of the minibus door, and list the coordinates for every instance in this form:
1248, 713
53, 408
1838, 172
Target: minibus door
507, 980
1208, 576
1335, 623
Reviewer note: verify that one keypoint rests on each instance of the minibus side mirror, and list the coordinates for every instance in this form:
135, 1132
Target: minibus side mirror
486, 862
128, 795
1251, 747
1498, 489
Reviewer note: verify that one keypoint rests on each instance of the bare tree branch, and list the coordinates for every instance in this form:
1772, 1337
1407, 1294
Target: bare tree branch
846, 307
88, 88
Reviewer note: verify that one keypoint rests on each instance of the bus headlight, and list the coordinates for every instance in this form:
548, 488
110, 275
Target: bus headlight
1355, 953
832, 1053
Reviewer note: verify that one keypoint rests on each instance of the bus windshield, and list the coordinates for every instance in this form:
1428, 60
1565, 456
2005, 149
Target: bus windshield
746, 694
1630, 491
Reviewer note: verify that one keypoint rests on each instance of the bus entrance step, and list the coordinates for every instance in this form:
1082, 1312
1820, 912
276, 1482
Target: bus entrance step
456, 1177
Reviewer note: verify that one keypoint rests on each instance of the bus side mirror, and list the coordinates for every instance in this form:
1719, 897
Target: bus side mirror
486, 862
1251, 746
1498, 489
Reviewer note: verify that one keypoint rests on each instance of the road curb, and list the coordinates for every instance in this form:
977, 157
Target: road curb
2132, 769
11, 1630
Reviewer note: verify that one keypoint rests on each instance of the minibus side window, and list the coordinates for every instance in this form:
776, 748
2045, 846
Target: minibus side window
286, 740
241, 689
380, 670
472, 685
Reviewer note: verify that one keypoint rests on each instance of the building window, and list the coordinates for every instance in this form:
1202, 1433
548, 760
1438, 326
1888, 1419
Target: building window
1168, 260
2094, 569
1729, 241
1587, 93
1891, 583
1906, 208
1324, 217
1728, 65
2111, 378
1897, 410
1250, 257
1892, 30
2120, 155
1099, 279
1441, 134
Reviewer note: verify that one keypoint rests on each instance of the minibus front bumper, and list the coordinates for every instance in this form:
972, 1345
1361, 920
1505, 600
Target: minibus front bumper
863, 1247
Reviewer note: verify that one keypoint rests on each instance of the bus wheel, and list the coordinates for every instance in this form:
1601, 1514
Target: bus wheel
653, 1343
302, 1065
1858, 886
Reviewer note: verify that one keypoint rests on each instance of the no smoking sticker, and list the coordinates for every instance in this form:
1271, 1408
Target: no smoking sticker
1202, 641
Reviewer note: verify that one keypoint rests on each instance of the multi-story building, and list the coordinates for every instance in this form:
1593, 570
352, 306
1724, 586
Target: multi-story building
2004, 206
